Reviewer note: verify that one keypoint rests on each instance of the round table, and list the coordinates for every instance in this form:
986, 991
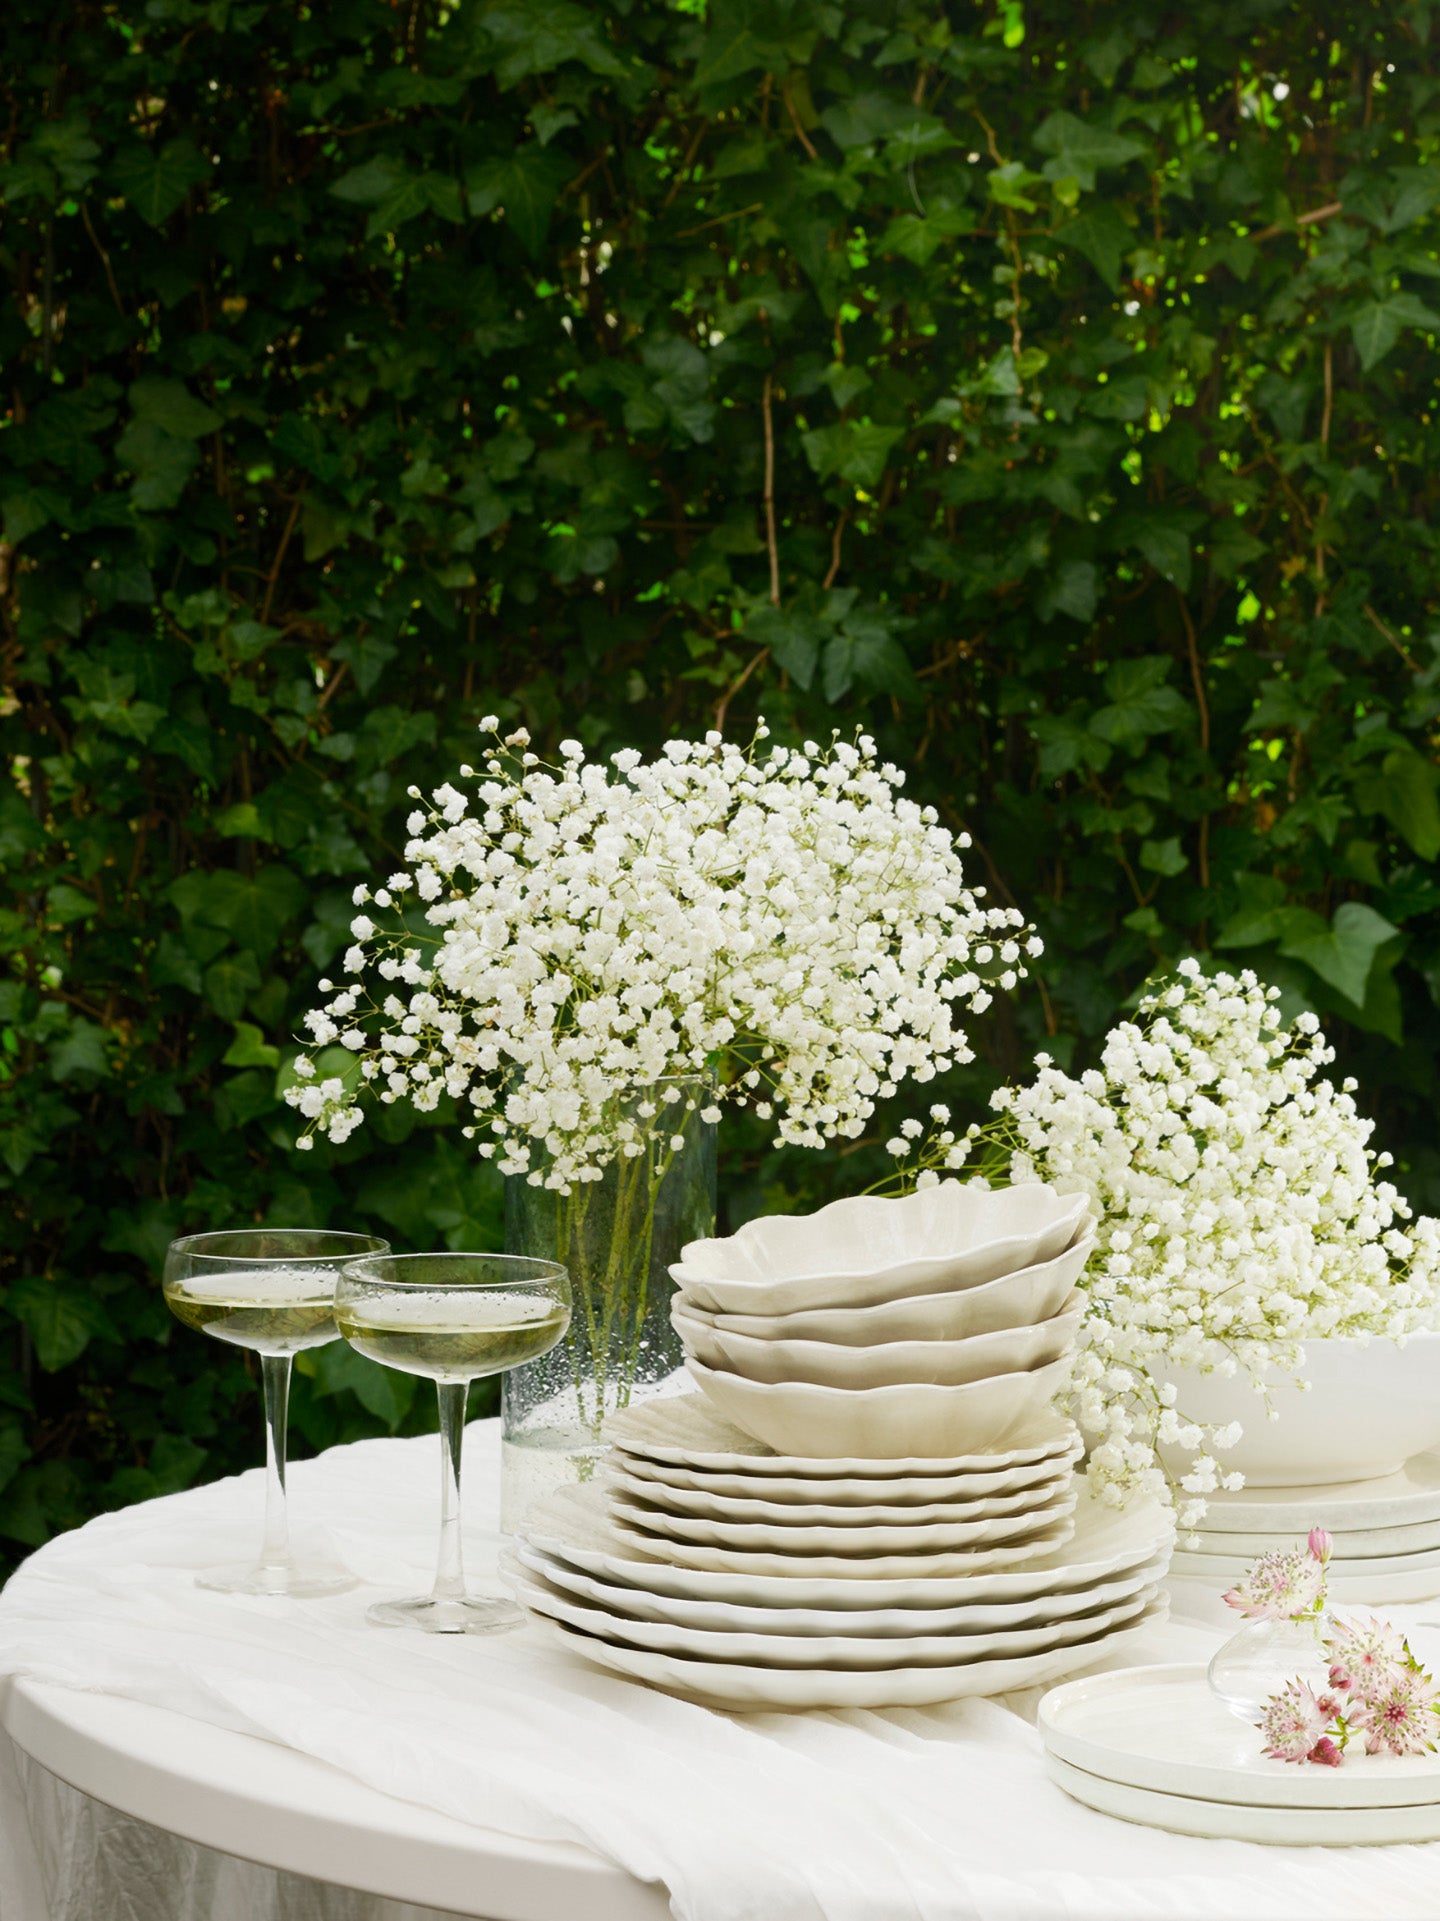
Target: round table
286, 1810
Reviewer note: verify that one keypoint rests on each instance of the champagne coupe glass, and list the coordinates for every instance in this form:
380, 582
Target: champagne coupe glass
452, 1318
271, 1289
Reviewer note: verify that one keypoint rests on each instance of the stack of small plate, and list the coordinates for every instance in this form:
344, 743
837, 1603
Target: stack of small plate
1386, 1533
715, 1569
1153, 1745
928, 1326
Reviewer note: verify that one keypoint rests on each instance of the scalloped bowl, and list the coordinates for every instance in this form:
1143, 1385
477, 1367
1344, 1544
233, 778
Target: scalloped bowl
865, 1250
1009, 1350
1021, 1299
881, 1423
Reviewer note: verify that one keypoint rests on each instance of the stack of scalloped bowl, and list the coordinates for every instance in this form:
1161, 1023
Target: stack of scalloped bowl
929, 1326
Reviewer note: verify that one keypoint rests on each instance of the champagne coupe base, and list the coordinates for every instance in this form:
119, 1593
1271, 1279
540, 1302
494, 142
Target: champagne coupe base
291, 1583
471, 1615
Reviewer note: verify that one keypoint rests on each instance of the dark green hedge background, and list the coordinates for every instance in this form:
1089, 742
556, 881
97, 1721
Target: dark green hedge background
1051, 389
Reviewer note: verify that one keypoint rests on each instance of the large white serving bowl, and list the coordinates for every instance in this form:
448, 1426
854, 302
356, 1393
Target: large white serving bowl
881, 1423
1008, 1350
1020, 1299
865, 1249
1371, 1405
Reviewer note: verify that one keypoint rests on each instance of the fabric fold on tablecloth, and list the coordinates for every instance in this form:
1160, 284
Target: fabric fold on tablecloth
936, 1814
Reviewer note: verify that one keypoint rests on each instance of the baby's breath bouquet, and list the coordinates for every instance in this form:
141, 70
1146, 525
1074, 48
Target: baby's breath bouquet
1242, 1213
604, 955
1240, 1209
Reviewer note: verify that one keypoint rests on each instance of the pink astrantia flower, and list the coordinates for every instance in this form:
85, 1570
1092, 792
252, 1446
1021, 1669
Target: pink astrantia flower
1280, 1586
1326, 1753
1320, 1544
1365, 1657
1295, 1721
1401, 1717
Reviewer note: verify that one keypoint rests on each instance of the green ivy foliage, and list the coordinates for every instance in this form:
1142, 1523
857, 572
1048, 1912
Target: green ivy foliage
1050, 390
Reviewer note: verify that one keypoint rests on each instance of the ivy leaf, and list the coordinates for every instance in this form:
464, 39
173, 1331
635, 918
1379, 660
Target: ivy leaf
525, 186
371, 182
868, 117
1260, 915
382, 1391
534, 178
540, 35
62, 1318
80, 1053
155, 183
1102, 236
229, 983
1078, 150
793, 638
1378, 324
1140, 703
250, 1048
854, 450
1405, 793
1344, 953
20, 832
1164, 857
1074, 589
160, 462
731, 47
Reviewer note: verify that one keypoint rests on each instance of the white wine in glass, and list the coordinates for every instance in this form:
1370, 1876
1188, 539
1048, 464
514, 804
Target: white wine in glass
452, 1318
271, 1290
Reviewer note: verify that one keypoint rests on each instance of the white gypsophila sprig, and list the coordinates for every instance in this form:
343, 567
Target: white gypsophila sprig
1238, 1203
783, 924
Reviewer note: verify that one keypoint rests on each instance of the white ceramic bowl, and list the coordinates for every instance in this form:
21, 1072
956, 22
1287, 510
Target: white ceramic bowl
1009, 1350
1371, 1406
1020, 1299
880, 1423
856, 1252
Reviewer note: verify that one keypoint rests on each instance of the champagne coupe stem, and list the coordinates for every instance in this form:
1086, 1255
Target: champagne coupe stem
450, 1570
275, 1376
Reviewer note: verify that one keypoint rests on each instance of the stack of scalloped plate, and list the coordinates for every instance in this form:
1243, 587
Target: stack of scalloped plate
1386, 1533
713, 1568
1153, 1745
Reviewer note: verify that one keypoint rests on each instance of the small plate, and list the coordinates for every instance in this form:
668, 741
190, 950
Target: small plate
810, 1537
1416, 1537
898, 1490
684, 1430
922, 1563
575, 1526
1226, 1820
854, 1514
1395, 1500
1161, 1728
742, 1688
855, 1652
966, 1617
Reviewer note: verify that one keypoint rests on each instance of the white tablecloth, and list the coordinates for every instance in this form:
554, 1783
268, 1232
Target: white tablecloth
937, 1814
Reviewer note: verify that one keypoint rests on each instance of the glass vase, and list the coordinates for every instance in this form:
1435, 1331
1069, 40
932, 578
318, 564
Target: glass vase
1259, 1660
617, 1238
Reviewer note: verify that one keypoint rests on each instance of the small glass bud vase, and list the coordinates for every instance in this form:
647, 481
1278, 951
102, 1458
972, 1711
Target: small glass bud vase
1259, 1660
